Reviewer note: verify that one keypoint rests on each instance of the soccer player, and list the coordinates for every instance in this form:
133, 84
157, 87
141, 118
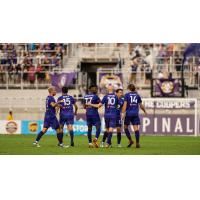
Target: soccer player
67, 112
111, 102
132, 102
92, 115
50, 119
119, 93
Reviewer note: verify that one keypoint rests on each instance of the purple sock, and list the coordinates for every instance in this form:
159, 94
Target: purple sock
104, 136
40, 134
89, 134
109, 138
137, 136
128, 135
60, 137
119, 136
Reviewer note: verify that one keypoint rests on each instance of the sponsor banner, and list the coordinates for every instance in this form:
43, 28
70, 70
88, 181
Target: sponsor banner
167, 87
63, 79
10, 127
169, 104
164, 124
168, 124
33, 127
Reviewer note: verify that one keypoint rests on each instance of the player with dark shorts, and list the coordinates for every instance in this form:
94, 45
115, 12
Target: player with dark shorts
92, 115
119, 94
130, 110
67, 112
50, 119
111, 102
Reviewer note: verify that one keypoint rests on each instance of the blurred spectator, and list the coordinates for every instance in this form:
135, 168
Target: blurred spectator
178, 64
40, 58
31, 74
31, 46
148, 73
2, 74
10, 116
160, 75
25, 74
134, 68
40, 74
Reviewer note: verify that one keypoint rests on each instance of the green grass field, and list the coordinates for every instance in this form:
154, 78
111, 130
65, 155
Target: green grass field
150, 145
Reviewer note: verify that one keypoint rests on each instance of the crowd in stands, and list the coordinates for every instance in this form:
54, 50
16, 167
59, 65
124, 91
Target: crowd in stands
162, 60
30, 60
35, 60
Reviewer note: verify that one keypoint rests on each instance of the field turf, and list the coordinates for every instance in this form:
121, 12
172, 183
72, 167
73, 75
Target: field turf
150, 145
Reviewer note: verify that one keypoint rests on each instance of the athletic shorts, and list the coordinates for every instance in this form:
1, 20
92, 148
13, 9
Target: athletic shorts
110, 122
134, 120
51, 122
93, 120
118, 121
66, 120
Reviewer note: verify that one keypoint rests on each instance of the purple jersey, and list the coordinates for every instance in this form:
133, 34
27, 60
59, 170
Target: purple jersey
93, 99
67, 103
133, 100
111, 102
119, 106
50, 111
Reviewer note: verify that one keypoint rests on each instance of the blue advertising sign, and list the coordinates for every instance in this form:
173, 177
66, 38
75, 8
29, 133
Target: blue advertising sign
33, 127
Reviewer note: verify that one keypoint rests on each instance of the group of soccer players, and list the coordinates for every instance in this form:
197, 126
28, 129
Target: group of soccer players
118, 108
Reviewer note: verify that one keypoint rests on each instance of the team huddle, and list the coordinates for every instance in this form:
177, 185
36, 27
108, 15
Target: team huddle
118, 108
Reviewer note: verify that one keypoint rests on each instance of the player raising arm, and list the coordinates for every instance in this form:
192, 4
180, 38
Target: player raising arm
50, 119
67, 112
92, 115
130, 110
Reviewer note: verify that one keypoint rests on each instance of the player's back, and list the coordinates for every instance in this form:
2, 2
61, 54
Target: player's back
133, 100
66, 102
93, 99
110, 102
50, 111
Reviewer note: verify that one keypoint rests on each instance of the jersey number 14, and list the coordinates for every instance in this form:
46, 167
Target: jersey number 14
133, 99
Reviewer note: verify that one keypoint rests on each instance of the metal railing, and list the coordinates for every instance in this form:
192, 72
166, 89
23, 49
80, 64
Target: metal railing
24, 80
97, 52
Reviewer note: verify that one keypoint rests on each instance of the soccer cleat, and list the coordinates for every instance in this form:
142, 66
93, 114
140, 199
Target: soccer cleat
72, 144
91, 145
63, 146
95, 144
119, 145
131, 143
108, 145
36, 144
102, 144
137, 145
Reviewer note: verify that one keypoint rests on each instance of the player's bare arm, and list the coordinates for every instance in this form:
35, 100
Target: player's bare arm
53, 104
94, 105
123, 109
143, 108
76, 109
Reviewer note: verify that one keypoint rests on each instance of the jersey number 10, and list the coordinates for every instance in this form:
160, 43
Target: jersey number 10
111, 100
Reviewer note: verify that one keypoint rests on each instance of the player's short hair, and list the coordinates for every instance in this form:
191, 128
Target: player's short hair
131, 87
91, 86
51, 88
65, 90
119, 89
